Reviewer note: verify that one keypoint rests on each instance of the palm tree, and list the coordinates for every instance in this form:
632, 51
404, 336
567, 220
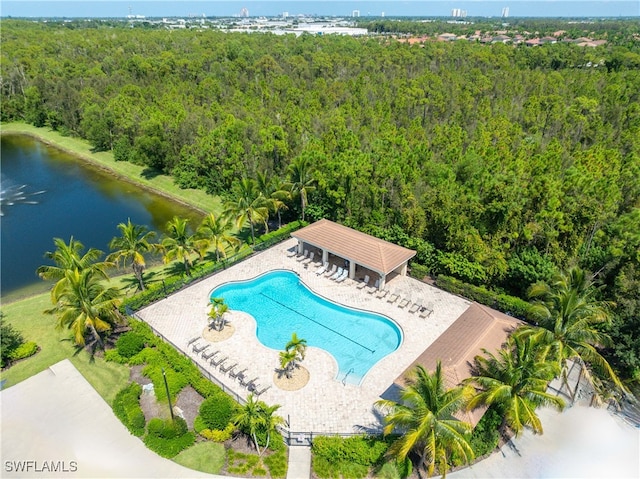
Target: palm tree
425, 420
570, 320
215, 232
218, 309
69, 257
275, 192
255, 417
179, 244
83, 303
132, 246
300, 180
288, 361
515, 382
297, 345
250, 206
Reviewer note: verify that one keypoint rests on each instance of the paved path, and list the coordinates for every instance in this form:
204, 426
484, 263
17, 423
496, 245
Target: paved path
325, 404
55, 419
299, 462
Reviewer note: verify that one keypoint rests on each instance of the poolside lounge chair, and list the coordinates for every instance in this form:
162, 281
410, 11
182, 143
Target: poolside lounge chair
292, 252
332, 270
238, 373
248, 384
343, 276
374, 288
309, 259
414, 307
426, 310
393, 298
210, 354
337, 274
219, 361
364, 283
404, 302
228, 368
322, 268
193, 340
382, 293
304, 256
258, 393
198, 349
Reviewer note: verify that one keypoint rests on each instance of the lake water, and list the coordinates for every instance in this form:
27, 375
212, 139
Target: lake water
50, 194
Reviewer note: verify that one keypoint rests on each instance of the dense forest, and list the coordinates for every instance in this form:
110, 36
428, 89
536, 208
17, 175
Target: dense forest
500, 164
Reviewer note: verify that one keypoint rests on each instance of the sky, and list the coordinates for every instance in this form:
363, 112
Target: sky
376, 8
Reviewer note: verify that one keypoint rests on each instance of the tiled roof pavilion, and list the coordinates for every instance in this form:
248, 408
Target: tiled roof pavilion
358, 248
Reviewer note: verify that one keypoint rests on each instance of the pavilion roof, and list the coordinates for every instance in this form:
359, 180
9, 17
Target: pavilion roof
373, 253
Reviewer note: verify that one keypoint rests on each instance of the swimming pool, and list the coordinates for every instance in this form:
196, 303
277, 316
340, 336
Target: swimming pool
282, 304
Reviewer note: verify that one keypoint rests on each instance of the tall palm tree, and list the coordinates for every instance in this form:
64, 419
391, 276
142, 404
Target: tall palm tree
255, 417
69, 257
515, 382
570, 320
250, 206
215, 231
83, 303
425, 420
276, 193
297, 345
132, 246
301, 182
179, 244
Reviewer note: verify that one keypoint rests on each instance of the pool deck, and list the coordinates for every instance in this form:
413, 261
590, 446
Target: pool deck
325, 404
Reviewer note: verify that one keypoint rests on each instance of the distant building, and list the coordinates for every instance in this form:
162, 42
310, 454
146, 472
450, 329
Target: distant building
285, 14
244, 12
505, 12
355, 13
458, 13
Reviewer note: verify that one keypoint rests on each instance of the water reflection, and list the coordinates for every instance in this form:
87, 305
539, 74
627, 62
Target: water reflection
49, 194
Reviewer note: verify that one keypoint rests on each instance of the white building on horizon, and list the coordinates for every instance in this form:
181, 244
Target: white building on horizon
355, 13
505, 12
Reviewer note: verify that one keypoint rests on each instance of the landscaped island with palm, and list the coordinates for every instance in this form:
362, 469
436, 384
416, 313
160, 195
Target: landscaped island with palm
513, 176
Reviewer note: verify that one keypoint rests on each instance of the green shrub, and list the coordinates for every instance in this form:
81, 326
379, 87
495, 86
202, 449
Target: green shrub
418, 271
350, 457
167, 437
216, 411
215, 435
24, 351
277, 463
10, 340
486, 434
129, 344
455, 264
511, 305
126, 407
175, 380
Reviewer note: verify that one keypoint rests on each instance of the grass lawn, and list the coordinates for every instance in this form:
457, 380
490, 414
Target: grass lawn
203, 456
160, 183
27, 317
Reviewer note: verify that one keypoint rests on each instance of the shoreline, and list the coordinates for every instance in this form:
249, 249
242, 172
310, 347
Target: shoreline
80, 155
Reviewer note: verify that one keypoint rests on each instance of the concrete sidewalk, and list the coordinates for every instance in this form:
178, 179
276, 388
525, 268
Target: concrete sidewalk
299, 462
55, 424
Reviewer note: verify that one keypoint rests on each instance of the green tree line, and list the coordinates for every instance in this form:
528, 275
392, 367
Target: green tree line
500, 164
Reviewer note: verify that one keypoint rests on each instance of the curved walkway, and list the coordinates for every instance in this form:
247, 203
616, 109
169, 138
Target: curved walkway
55, 424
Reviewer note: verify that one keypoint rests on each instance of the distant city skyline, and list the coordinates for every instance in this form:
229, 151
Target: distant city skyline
375, 8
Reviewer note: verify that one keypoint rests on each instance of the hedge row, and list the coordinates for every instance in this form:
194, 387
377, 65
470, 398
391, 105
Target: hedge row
353, 457
157, 291
510, 305
126, 407
24, 351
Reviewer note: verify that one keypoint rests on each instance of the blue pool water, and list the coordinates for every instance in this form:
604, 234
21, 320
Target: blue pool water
282, 305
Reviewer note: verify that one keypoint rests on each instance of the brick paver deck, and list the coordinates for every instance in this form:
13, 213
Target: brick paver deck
324, 404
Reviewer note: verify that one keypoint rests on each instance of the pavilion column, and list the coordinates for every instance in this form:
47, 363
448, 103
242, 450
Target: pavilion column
403, 271
300, 247
325, 256
383, 279
352, 269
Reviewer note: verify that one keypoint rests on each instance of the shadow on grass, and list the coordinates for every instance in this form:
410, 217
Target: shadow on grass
150, 173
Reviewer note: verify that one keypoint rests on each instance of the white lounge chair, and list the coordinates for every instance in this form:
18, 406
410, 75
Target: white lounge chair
414, 307
374, 288
382, 293
393, 298
404, 302
338, 273
304, 256
343, 276
322, 268
310, 258
426, 310
332, 270
365, 282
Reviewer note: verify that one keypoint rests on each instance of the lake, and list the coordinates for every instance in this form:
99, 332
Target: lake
46, 194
